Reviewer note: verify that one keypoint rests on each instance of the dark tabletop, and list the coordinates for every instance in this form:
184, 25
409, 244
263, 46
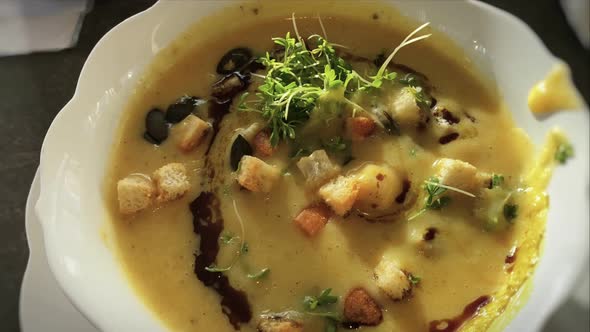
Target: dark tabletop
33, 88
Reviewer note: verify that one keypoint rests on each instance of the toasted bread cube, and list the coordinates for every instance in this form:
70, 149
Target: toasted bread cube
135, 193
391, 279
405, 110
458, 174
361, 308
360, 127
256, 175
192, 132
262, 146
311, 220
379, 185
340, 194
317, 168
279, 325
171, 182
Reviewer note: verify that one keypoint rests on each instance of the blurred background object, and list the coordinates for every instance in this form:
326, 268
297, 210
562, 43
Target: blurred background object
578, 15
28, 26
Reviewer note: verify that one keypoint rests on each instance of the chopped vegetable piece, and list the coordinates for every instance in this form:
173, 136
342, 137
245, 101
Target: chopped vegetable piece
564, 152
313, 219
361, 308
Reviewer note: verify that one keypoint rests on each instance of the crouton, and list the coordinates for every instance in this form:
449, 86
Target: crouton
135, 193
256, 175
279, 324
317, 168
360, 127
378, 187
360, 308
340, 194
405, 110
391, 279
171, 182
262, 146
192, 132
311, 220
458, 174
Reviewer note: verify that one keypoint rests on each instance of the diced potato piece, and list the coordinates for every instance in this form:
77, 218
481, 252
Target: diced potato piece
135, 193
311, 220
361, 308
405, 110
391, 279
256, 175
340, 194
279, 325
262, 146
192, 132
317, 168
378, 187
171, 182
360, 127
458, 174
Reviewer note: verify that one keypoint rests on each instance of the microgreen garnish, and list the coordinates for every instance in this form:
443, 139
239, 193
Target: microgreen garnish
564, 152
414, 280
336, 144
413, 152
227, 238
435, 199
259, 275
497, 180
510, 212
311, 304
304, 76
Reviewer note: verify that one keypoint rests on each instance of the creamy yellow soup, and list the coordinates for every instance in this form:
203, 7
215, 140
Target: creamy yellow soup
470, 269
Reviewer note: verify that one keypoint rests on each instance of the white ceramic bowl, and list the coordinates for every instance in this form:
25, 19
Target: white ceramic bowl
76, 149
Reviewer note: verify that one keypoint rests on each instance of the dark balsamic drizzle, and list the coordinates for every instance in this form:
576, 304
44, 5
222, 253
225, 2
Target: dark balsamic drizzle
453, 324
208, 224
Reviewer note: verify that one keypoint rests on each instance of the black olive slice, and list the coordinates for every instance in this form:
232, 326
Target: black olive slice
182, 108
156, 126
229, 86
239, 148
234, 60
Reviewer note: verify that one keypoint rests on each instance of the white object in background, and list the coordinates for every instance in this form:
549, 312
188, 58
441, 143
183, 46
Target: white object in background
578, 15
43, 305
71, 207
28, 26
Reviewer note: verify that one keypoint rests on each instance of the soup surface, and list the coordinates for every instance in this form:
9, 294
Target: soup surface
244, 249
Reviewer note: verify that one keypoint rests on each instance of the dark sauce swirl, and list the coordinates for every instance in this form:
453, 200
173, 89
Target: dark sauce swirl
453, 324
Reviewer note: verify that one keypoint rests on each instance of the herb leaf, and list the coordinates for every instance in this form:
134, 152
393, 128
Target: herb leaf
564, 152
260, 274
414, 280
227, 238
336, 144
312, 303
510, 212
497, 180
